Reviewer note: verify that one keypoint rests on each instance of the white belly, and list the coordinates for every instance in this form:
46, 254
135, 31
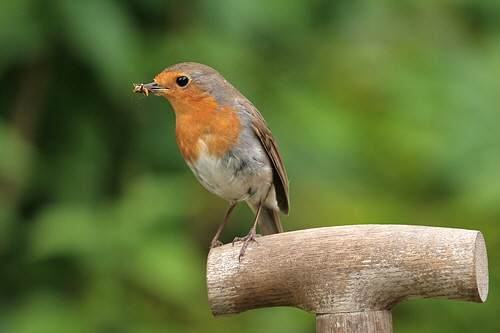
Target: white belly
238, 176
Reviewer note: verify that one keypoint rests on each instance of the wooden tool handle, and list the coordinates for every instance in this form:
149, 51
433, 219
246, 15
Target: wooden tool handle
348, 269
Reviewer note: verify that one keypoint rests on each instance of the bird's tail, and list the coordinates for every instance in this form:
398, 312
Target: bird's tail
269, 220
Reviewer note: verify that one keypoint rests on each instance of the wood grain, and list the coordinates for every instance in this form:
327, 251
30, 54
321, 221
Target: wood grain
348, 269
363, 322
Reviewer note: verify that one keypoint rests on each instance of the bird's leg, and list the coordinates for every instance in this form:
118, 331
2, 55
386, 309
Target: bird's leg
215, 241
252, 234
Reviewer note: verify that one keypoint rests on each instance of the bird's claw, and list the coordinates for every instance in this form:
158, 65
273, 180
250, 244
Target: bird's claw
251, 237
216, 243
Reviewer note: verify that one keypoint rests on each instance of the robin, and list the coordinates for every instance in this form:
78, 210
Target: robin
226, 143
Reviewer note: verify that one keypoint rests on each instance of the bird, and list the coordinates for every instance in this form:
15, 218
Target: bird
226, 143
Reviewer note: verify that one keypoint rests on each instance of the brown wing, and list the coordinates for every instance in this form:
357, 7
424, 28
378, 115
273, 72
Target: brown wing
280, 178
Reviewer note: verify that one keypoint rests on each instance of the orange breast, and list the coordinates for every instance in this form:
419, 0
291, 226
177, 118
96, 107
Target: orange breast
199, 118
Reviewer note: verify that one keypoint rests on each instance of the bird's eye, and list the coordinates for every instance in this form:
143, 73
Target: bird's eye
182, 81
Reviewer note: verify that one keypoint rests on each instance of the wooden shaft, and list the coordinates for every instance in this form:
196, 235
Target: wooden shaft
350, 322
348, 269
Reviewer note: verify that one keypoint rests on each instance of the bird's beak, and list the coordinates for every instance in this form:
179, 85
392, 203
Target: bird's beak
153, 87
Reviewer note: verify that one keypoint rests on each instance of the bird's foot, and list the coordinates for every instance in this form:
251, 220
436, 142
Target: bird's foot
251, 237
216, 243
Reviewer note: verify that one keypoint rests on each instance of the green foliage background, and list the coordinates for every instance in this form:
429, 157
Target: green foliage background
385, 112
